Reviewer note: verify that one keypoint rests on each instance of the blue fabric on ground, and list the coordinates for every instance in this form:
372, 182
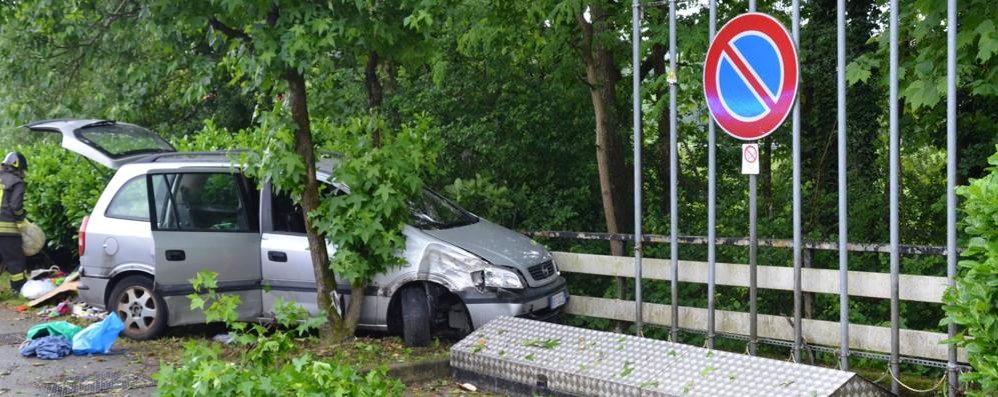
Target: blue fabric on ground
48, 348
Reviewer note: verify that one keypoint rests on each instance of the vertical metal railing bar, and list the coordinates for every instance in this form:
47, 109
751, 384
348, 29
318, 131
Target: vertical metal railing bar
894, 159
753, 260
636, 109
797, 199
753, 271
843, 191
951, 253
711, 199
673, 170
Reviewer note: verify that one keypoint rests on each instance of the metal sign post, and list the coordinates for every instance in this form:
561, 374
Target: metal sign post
750, 166
636, 91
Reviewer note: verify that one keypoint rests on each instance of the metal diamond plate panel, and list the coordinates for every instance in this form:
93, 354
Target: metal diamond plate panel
584, 362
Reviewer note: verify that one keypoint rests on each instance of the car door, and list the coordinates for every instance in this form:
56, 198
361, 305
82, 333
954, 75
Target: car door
286, 259
205, 220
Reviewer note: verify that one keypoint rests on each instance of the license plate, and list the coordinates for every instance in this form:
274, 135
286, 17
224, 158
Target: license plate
557, 300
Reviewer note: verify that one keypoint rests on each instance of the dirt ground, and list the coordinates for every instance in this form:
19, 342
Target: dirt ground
121, 373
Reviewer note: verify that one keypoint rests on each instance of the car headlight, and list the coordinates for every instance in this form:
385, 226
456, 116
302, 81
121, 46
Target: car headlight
466, 270
497, 278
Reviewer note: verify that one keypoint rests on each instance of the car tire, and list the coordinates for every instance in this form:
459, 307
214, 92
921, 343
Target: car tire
415, 316
141, 309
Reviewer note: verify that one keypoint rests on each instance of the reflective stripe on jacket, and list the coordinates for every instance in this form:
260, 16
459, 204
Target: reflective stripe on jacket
11, 203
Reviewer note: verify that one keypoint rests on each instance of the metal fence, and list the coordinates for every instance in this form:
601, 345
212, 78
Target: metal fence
797, 245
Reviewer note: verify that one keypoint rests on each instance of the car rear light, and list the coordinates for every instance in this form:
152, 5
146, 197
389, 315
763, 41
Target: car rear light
83, 235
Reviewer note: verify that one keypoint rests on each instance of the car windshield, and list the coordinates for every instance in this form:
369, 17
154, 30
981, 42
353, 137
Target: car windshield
431, 211
120, 140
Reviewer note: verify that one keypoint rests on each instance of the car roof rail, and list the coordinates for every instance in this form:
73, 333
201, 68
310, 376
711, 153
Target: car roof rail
191, 156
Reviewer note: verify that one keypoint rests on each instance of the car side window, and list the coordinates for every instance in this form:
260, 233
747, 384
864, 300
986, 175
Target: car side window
131, 202
201, 202
287, 216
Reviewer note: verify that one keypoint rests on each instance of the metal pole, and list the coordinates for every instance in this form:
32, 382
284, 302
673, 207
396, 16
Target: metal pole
673, 176
711, 193
951, 254
753, 274
843, 191
753, 251
894, 159
636, 88
797, 200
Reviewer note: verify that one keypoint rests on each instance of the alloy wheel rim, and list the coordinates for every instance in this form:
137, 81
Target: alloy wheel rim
137, 309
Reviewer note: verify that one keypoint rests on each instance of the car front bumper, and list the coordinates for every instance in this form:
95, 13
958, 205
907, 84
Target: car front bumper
544, 303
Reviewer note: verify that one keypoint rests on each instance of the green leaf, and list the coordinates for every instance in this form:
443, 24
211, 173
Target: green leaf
859, 70
987, 44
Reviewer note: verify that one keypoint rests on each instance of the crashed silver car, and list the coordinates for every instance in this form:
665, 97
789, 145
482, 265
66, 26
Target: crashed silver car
166, 215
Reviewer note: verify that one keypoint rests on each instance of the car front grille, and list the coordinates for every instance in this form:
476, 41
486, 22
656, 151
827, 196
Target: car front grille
542, 271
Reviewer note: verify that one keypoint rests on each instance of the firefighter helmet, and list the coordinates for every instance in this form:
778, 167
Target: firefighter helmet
15, 161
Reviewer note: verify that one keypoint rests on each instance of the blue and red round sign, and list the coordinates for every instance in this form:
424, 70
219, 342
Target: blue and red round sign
750, 76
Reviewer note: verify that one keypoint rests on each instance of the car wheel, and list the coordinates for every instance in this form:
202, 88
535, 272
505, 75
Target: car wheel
141, 309
415, 316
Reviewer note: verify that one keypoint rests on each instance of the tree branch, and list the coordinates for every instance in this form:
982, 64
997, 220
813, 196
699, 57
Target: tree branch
229, 31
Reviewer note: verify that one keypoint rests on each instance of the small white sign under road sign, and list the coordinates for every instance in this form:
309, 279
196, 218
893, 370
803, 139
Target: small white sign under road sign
750, 159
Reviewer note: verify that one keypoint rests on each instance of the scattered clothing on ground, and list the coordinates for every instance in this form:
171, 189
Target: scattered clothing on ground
48, 348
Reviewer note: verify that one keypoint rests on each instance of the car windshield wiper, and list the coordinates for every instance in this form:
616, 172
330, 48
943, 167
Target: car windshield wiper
424, 222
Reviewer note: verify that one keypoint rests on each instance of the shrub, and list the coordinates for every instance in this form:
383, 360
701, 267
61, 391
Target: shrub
973, 304
271, 363
62, 188
482, 196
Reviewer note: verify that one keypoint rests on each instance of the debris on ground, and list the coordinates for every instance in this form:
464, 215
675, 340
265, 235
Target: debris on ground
98, 338
60, 328
469, 387
84, 311
48, 348
225, 339
62, 309
33, 289
68, 284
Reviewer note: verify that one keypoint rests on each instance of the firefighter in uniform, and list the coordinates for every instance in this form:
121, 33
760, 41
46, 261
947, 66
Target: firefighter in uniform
12, 187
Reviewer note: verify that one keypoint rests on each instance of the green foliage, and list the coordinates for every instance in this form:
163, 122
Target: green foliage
271, 362
482, 196
972, 304
212, 137
62, 188
366, 222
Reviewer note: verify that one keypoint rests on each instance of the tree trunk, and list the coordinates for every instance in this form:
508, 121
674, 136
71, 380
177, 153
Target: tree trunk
767, 176
658, 52
601, 78
374, 92
325, 279
356, 304
390, 71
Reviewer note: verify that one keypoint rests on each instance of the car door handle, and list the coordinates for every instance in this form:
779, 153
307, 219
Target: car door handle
276, 256
175, 255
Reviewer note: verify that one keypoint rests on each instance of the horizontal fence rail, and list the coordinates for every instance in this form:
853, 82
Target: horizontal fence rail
917, 344
824, 281
903, 249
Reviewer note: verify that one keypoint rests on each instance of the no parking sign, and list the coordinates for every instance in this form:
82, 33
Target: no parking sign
750, 76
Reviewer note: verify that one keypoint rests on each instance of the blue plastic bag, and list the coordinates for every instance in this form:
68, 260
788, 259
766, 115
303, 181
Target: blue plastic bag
98, 337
